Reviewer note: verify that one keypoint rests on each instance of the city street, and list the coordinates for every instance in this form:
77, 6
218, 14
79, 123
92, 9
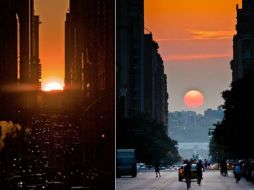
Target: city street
169, 181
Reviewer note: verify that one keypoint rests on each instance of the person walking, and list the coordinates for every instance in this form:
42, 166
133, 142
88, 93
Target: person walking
187, 174
237, 172
200, 169
157, 169
223, 168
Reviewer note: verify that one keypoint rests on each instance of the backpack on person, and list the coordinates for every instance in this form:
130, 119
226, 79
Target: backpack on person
237, 169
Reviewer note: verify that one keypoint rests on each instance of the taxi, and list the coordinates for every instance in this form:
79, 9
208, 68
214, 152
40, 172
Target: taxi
181, 175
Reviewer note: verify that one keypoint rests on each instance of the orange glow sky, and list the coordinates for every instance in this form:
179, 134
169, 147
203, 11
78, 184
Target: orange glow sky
52, 15
195, 39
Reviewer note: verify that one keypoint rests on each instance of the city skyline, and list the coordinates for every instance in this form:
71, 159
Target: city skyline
197, 50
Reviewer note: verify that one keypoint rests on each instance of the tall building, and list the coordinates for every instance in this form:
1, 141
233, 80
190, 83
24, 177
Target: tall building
90, 74
35, 66
243, 43
19, 53
130, 57
81, 43
8, 45
155, 82
141, 81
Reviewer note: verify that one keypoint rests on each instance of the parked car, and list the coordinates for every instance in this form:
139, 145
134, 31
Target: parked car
176, 167
126, 163
248, 170
181, 175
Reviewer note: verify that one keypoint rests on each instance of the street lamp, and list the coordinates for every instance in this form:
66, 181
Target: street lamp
210, 132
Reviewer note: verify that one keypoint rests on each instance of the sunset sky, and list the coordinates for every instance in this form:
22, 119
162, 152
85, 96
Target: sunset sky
52, 15
195, 39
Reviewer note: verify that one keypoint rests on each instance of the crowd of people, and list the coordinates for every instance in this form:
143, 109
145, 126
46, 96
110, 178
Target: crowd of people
188, 173
200, 167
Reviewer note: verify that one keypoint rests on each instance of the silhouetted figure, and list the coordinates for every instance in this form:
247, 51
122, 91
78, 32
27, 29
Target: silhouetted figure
223, 168
187, 174
157, 169
237, 172
206, 164
200, 168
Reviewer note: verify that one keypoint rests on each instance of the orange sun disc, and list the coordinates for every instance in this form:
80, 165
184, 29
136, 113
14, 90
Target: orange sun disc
194, 99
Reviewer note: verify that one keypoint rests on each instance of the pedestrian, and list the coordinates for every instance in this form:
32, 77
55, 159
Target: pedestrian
206, 165
187, 174
237, 172
157, 169
200, 169
223, 168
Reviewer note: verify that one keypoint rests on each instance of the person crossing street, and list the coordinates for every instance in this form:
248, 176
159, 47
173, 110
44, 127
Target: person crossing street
200, 169
187, 173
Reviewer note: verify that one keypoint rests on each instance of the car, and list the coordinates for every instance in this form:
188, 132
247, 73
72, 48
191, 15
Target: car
248, 170
176, 167
126, 162
181, 175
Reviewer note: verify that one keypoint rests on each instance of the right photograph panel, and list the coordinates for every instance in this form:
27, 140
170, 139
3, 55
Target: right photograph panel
184, 75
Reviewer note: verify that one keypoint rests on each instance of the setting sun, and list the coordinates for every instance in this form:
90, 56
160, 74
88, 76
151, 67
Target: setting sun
194, 99
53, 86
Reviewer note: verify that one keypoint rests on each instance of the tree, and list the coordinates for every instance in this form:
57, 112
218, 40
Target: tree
149, 138
233, 135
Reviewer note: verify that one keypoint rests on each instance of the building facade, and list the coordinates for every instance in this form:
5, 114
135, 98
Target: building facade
35, 66
155, 82
90, 75
19, 53
243, 43
141, 81
130, 57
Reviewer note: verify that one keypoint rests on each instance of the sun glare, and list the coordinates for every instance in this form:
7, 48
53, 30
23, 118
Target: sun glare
53, 86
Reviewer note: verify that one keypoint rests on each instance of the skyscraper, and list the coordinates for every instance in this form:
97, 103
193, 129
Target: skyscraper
141, 81
155, 82
19, 53
35, 66
8, 45
130, 57
89, 74
243, 43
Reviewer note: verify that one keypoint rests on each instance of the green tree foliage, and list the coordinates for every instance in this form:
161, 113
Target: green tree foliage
233, 136
149, 138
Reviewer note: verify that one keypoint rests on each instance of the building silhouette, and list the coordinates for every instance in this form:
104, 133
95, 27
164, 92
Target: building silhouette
20, 68
155, 82
19, 53
243, 44
90, 76
141, 81
130, 57
8, 45
35, 66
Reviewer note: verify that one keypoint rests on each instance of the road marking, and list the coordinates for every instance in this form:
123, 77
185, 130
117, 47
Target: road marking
164, 184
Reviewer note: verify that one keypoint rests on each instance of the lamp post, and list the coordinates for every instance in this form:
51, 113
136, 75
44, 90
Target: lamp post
217, 156
210, 132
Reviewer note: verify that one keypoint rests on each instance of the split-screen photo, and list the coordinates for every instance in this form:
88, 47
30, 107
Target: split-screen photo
126, 94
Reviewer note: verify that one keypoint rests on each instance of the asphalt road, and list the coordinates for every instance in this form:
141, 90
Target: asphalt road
169, 181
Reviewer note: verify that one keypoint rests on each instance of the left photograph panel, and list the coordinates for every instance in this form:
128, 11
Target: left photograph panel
57, 94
